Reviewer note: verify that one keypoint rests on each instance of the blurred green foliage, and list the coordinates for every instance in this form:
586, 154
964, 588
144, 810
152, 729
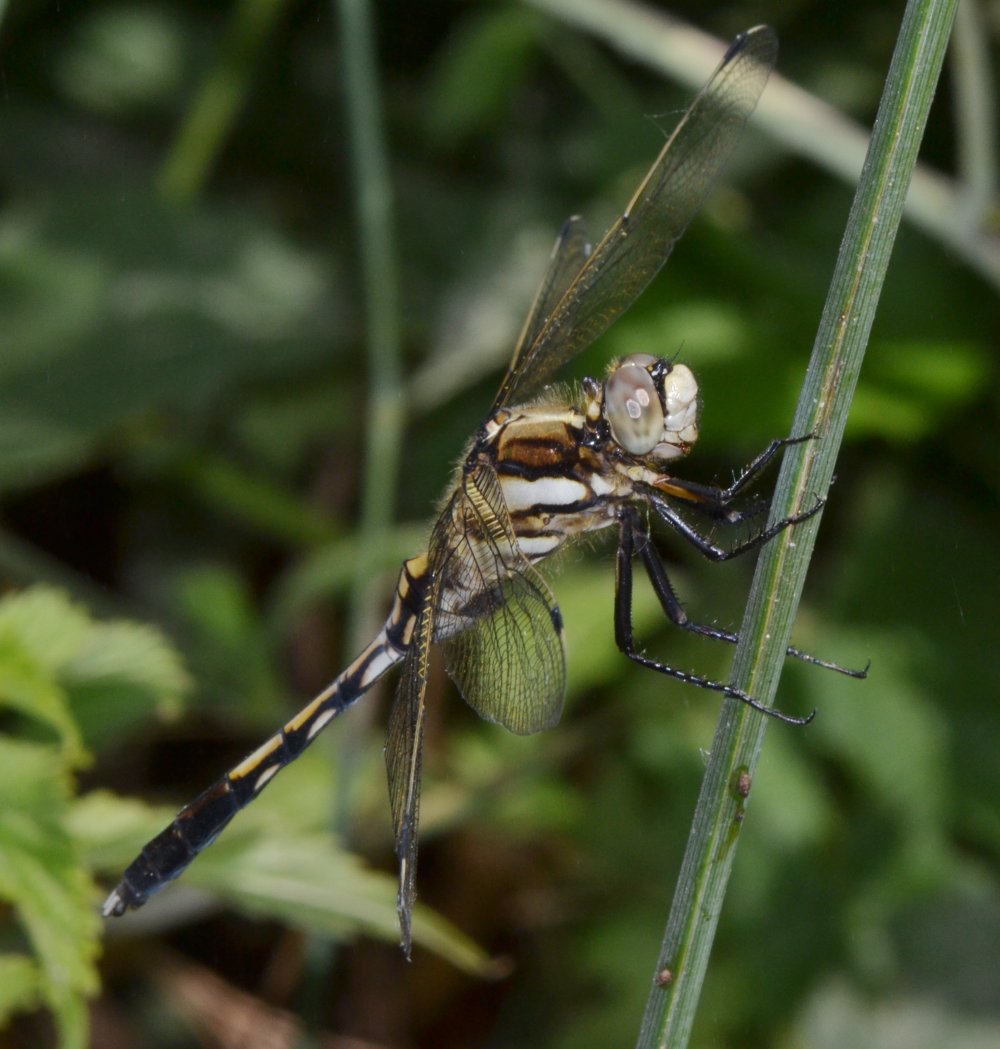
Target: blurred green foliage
60, 675
182, 404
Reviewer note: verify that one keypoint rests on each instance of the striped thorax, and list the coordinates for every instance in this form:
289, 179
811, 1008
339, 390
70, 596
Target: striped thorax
565, 471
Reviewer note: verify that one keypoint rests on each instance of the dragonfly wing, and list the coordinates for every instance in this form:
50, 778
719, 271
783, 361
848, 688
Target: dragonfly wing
569, 253
507, 658
509, 666
403, 756
639, 243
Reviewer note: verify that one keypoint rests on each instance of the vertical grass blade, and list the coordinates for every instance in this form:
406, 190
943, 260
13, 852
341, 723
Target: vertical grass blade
383, 414
805, 475
373, 202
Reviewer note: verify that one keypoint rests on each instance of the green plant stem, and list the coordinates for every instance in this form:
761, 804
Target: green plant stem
806, 473
217, 103
373, 200
373, 203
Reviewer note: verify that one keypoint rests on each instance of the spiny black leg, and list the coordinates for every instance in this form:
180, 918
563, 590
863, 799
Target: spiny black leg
714, 500
635, 540
717, 553
626, 642
639, 541
708, 500
759, 463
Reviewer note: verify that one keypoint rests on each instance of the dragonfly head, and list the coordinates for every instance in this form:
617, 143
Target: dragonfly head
652, 407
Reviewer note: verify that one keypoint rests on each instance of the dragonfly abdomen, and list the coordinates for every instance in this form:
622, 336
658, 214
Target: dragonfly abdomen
198, 824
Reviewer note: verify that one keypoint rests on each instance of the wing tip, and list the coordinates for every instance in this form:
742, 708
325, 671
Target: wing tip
761, 38
404, 910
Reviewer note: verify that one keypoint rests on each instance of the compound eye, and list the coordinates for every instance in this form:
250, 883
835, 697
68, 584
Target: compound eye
633, 407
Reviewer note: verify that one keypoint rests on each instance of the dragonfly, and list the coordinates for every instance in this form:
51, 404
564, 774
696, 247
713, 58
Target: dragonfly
538, 474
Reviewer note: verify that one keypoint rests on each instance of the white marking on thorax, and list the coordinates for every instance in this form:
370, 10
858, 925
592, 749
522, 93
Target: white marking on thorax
521, 494
600, 486
535, 546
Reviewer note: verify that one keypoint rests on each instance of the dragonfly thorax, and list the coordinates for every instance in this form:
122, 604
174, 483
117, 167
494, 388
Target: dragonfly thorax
651, 407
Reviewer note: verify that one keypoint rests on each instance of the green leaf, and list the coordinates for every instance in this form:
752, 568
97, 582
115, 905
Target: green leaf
49, 627
132, 653
28, 689
41, 876
56, 662
20, 980
39, 632
307, 881
62, 668
114, 307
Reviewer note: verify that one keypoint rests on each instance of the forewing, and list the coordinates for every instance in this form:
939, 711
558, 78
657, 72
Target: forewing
639, 243
508, 659
403, 756
569, 253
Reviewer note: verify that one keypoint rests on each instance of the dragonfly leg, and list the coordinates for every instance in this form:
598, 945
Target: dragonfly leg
758, 464
711, 550
705, 499
624, 634
635, 539
715, 501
